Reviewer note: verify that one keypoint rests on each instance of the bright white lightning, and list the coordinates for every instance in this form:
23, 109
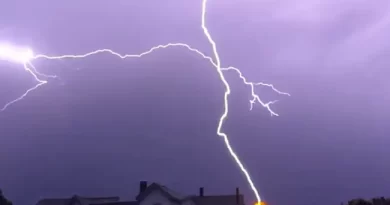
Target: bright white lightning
15, 54
25, 56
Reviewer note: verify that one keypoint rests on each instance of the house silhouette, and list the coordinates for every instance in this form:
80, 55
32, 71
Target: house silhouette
153, 194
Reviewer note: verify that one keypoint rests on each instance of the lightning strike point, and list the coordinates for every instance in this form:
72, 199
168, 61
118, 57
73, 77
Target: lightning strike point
260, 203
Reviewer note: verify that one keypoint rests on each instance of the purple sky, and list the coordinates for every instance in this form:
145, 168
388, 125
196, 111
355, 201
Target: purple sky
108, 123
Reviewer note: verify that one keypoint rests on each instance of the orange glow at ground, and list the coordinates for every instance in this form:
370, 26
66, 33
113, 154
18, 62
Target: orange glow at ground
260, 203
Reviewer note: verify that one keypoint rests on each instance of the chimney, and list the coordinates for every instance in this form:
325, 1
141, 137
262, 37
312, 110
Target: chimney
142, 186
201, 191
237, 196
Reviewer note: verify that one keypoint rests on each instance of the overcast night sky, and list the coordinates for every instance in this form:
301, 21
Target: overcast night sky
106, 123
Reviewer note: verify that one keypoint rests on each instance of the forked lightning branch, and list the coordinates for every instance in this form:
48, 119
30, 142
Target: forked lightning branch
25, 57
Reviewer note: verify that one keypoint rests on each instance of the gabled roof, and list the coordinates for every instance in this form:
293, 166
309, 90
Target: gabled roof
78, 199
119, 203
198, 200
222, 199
170, 194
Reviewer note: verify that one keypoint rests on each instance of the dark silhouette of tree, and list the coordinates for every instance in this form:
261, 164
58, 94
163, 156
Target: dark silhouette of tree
373, 201
359, 202
3, 200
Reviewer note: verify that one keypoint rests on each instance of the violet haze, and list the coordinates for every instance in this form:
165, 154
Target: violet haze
107, 123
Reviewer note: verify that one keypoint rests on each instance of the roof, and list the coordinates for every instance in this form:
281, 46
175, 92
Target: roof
78, 199
170, 194
173, 193
119, 203
198, 200
214, 200
173, 196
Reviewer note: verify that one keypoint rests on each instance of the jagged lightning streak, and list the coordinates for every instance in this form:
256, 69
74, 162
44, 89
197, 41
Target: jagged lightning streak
226, 104
11, 53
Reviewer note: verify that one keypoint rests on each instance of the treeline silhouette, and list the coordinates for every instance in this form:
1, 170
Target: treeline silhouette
3, 200
373, 201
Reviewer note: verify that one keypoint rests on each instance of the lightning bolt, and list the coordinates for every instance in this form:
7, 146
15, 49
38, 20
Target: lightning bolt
25, 57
